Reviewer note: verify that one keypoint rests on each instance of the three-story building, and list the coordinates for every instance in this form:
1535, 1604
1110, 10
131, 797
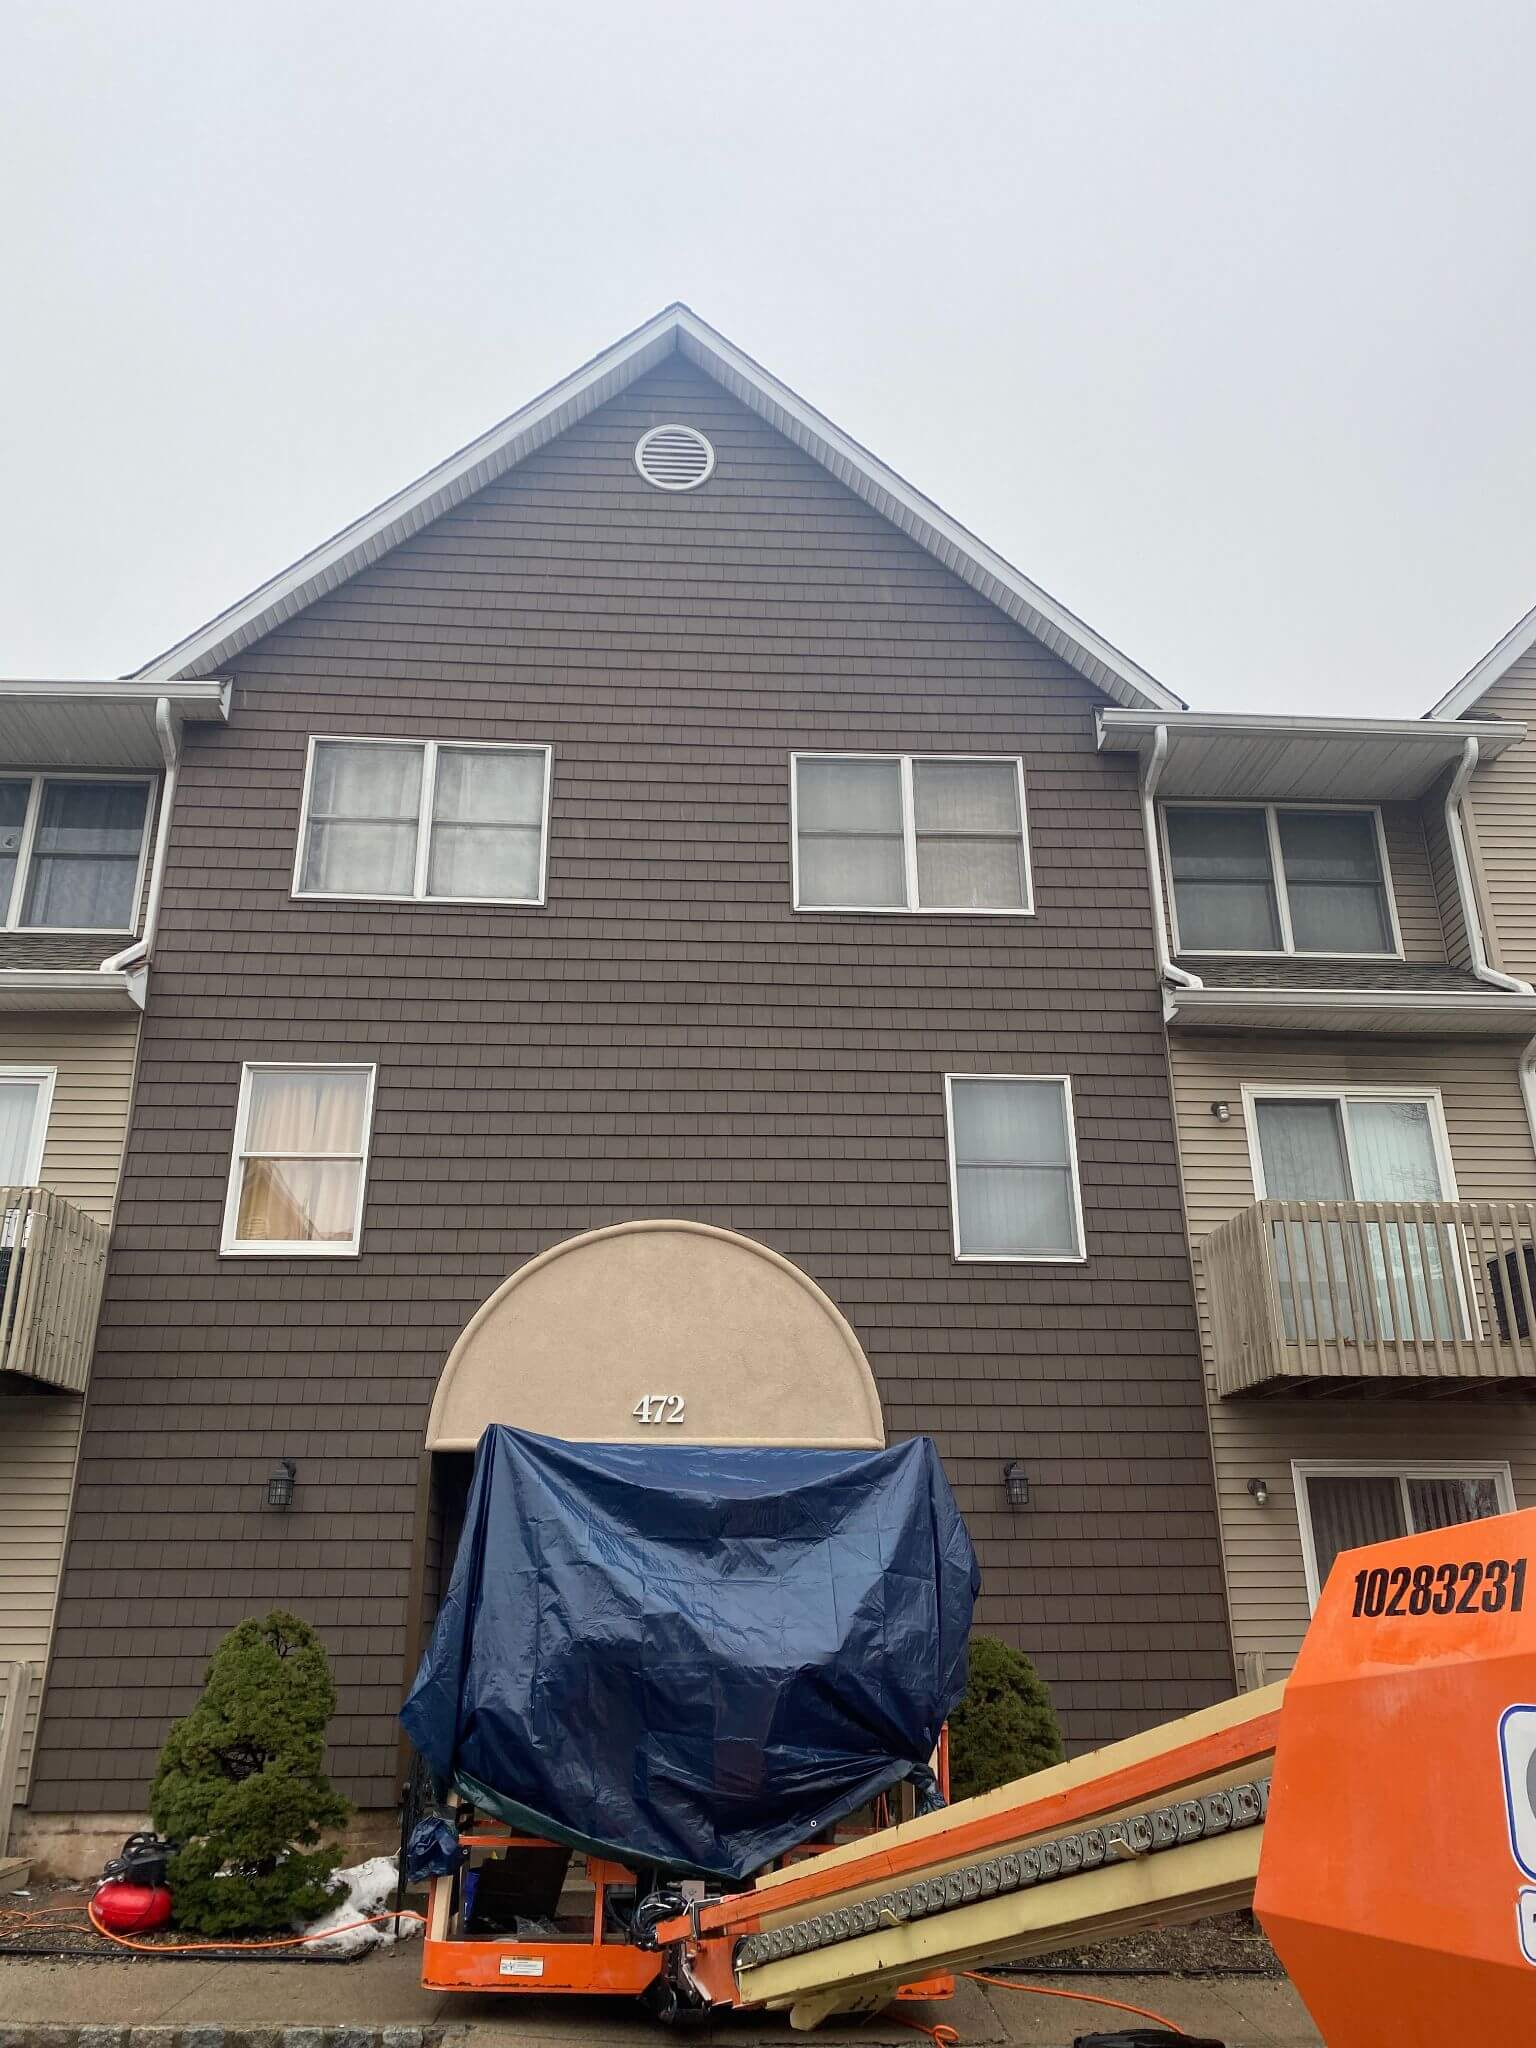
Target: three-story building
660, 814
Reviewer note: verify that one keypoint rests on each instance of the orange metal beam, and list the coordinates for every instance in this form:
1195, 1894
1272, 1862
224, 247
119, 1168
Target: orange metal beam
1135, 1784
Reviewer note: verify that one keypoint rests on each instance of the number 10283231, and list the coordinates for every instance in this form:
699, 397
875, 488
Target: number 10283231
1480, 1586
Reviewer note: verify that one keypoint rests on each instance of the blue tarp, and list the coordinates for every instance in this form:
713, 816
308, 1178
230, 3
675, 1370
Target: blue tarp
694, 1658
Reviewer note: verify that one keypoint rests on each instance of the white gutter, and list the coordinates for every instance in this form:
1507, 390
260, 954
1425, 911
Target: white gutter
1151, 776
137, 955
1471, 917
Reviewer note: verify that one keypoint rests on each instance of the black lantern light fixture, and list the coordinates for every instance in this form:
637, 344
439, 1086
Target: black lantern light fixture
1259, 1488
280, 1485
1016, 1479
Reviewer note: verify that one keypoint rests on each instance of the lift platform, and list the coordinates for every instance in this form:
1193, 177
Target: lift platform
1378, 1810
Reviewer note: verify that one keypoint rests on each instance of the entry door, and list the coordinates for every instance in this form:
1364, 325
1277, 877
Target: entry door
1365, 1148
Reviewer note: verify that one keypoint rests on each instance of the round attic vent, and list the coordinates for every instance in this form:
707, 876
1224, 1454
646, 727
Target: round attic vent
674, 458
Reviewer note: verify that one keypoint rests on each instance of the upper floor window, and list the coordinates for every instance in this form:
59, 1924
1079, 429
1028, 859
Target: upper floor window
1279, 878
1013, 1167
424, 821
300, 1160
72, 851
909, 832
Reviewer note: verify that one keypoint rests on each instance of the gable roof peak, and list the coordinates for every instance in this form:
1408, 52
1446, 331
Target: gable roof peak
676, 328
1481, 677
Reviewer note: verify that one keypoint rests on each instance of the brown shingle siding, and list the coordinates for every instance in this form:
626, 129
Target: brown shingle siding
665, 1037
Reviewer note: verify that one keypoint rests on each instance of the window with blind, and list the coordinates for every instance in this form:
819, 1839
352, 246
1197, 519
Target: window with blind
1345, 1507
424, 821
72, 851
1278, 878
1013, 1167
300, 1160
910, 832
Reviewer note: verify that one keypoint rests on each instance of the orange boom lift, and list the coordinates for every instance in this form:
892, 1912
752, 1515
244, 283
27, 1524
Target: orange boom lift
1378, 1811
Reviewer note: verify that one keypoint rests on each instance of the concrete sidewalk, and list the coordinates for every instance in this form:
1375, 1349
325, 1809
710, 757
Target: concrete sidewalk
360, 2005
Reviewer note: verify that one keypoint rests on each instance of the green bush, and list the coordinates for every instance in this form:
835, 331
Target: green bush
1005, 1726
241, 1785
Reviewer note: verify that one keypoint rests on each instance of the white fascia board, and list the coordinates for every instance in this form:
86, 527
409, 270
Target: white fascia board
1518, 1012
1123, 731
68, 988
199, 698
1479, 680
515, 438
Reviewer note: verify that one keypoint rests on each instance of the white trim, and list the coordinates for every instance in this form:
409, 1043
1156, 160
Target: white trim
430, 751
1303, 1469
1255, 1092
1481, 677
676, 427
1117, 724
1288, 950
44, 1080
38, 779
911, 908
674, 328
191, 697
1074, 1258
232, 1246
1516, 1011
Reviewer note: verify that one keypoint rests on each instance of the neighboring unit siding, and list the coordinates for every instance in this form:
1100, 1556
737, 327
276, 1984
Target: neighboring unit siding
1502, 805
1452, 917
1256, 1438
666, 1038
39, 1433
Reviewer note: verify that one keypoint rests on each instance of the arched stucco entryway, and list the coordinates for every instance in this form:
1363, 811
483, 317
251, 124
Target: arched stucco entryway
729, 1337
736, 1341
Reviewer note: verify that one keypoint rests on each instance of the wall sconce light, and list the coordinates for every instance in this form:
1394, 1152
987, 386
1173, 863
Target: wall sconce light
1016, 1479
280, 1485
1259, 1488
1222, 1111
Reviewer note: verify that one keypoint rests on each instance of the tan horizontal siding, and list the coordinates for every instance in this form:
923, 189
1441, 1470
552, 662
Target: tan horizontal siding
1453, 923
39, 1437
1492, 1156
1413, 884
93, 1060
1502, 806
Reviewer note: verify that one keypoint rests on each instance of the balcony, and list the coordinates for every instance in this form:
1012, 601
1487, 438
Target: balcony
52, 1261
1411, 1297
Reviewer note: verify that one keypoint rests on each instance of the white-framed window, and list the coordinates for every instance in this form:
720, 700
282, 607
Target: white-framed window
424, 821
26, 1097
910, 832
1310, 879
72, 851
1344, 1506
1013, 1182
300, 1163
1359, 1144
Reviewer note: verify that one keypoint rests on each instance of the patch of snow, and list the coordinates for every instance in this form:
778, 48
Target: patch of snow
370, 1888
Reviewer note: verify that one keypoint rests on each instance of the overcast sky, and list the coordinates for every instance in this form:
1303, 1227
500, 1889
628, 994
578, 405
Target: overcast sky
1219, 320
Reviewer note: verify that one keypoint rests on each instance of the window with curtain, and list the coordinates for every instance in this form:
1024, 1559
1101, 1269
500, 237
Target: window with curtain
72, 851
300, 1159
1402, 1277
909, 832
1013, 1167
1346, 1509
424, 821
1277, 878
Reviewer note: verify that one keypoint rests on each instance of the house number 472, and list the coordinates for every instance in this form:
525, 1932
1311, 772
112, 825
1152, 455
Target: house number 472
658, 1408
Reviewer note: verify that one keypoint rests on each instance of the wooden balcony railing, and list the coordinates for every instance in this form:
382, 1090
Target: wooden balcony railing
52, 1261
1442, 1294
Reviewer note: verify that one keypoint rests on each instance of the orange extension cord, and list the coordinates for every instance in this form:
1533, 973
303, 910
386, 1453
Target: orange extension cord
187, 1948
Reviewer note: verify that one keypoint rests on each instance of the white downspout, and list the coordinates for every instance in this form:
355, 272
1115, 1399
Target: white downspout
1462, 866
170, 747
1151, 776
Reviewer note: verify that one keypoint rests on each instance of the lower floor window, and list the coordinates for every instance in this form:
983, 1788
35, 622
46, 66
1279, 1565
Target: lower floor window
1013, 1167
300, 1159
1345, 1507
